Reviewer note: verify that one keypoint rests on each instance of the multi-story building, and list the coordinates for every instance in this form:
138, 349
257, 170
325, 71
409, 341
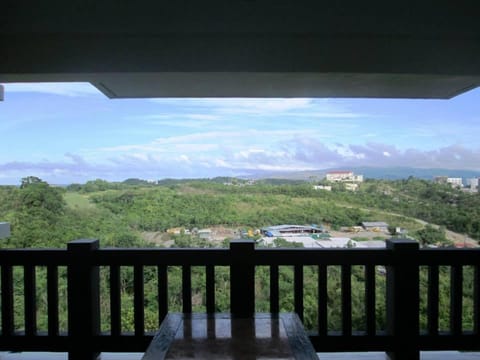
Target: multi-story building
472, 183
455, 182
343, 176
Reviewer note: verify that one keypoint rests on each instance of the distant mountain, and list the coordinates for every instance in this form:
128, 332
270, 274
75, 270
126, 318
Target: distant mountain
393, 173
396, 173
286, 175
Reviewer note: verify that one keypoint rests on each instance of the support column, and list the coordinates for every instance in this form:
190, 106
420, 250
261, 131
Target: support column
403, 300
83, 300
242, 278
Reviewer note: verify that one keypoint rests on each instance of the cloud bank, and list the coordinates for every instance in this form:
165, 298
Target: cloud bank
158, 138
190, 161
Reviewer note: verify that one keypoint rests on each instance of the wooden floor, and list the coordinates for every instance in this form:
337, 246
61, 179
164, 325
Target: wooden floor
433, 355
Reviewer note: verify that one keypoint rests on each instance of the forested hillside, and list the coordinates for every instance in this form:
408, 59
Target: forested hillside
119, 213
190, 203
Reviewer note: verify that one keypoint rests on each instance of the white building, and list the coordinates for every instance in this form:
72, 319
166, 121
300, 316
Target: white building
472, 183
292, 230
351, 187
377, 226
330, 243
340, 176
455, 182
4, 230
322, 187
343, 176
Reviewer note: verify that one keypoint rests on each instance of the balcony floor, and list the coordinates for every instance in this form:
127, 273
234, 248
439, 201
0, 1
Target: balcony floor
428, 355
63, 356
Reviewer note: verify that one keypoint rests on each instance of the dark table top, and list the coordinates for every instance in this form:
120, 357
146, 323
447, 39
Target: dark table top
221, 336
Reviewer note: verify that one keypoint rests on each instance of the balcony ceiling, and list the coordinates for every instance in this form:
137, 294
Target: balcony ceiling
245, 48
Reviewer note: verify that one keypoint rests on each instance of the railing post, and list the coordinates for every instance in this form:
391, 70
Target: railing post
242, 278
403, 299
83, 300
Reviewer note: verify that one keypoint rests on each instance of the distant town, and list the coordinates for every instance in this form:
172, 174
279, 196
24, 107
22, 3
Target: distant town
468, 185
367, 234
352, 180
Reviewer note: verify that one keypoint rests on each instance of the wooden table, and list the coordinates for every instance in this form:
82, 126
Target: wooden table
221, 336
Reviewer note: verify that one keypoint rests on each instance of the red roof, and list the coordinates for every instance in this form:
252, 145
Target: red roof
464, 245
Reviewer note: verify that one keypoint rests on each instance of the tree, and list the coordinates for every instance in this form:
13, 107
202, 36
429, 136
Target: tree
30, 180
39, 207
283, 243
432, 236
37, 196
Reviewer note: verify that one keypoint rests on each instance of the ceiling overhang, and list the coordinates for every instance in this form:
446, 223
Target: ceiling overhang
246, 49
261, 84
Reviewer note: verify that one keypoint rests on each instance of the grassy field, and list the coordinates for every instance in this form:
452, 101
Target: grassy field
78, 201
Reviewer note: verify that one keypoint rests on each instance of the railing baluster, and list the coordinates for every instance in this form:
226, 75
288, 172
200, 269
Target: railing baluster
187, 288
322, 300
52, 300
30, 300
162, 292
402, 259
432, 306
456, 296
7, 300
370, 304
138, 300
274, 303
346, 300
298, 290
115, 302
210, 288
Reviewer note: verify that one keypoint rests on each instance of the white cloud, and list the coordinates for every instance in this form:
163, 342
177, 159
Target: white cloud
206, 141
332, 114
227, 108
295, 155
60, 88
241, 105
181, 123
261, 105
177, 116
184, 158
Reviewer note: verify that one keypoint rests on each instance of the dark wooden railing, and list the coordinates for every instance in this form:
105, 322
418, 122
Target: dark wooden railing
402, 260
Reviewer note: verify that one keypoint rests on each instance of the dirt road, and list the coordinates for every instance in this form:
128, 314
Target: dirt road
457, 238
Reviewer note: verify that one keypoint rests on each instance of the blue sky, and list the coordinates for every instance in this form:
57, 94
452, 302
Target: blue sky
67, 133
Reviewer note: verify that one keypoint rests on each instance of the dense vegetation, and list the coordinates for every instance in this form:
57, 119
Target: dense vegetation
435, 203
119, 213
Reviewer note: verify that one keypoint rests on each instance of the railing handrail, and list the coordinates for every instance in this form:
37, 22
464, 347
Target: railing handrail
261, 256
